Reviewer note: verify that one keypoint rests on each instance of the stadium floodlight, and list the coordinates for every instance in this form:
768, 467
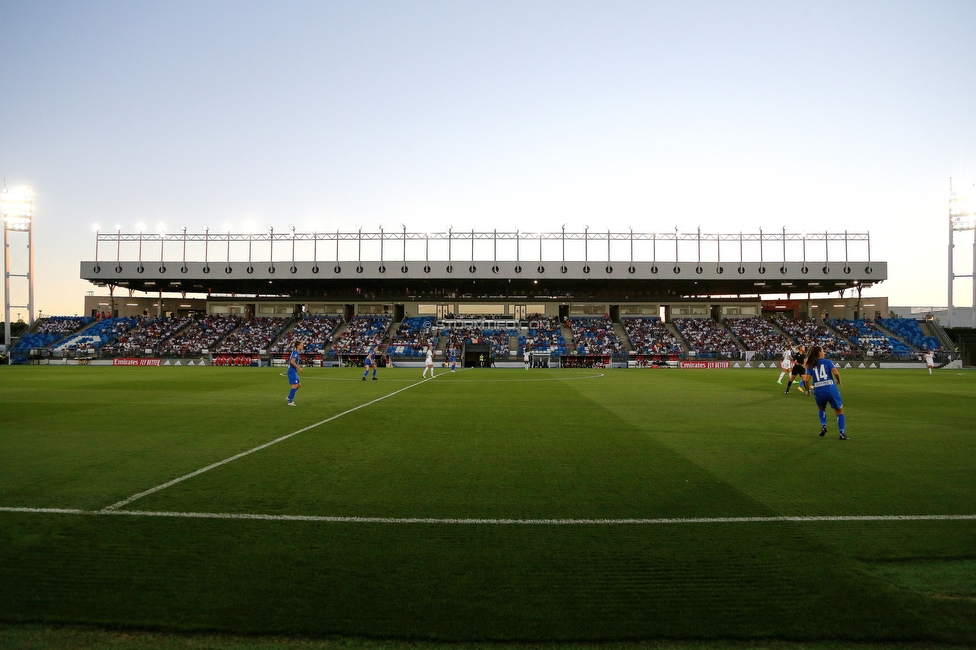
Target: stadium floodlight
17, 209
17, 205
962, 217
962, 207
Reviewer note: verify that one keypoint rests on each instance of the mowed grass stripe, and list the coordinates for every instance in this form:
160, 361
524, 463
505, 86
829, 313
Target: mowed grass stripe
163, 486
87, 437
462, 449
451, 583
741, 428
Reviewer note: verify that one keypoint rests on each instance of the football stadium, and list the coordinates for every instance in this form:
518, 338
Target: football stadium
433, 325
607, 447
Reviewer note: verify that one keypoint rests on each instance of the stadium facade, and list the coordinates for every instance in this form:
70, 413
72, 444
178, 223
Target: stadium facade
558, 273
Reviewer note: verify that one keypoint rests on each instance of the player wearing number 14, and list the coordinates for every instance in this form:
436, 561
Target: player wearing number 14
820, 375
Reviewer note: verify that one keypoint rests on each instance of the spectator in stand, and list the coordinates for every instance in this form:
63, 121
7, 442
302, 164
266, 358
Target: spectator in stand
362, 334
811, 332
706, 337
758, 335
649, 336
595, 336
252, 336
314, 332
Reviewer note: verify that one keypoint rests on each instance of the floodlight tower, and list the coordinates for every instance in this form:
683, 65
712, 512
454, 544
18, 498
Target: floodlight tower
17, 207
962, 217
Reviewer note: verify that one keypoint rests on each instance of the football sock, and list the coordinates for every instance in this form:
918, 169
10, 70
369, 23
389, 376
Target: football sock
823, 418
365, 374
374, 372
291, 394
781, 375
788, 384
841, 421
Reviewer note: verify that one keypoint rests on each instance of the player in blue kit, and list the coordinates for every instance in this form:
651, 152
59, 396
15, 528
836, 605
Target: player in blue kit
453, 360
820, 376
370, 362
293, 369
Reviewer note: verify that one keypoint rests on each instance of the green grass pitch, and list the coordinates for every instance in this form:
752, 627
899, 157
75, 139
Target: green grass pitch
500, 450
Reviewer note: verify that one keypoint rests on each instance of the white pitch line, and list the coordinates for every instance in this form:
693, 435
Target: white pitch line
523, 381
494, 522
135, 497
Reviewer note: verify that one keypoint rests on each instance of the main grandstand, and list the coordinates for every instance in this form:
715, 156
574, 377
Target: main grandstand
580, 299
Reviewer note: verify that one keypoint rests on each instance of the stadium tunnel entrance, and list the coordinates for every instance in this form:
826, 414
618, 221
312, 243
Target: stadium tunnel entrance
476, 356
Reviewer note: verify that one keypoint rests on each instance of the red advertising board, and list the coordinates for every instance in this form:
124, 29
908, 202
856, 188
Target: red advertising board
136, 362
782, 305
705, 365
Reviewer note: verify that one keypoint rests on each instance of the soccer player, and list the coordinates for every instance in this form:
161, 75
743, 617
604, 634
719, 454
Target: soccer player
293, 370
798, 369
526, 358
370, 362
453, 359
930, 360
820, 375
785, 365
429, 363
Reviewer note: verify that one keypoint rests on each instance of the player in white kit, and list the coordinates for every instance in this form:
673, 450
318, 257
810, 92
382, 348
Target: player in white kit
930, 360
785, 365
429, 363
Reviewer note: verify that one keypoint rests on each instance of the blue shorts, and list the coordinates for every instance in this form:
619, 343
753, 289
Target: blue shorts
292, 376
827, 395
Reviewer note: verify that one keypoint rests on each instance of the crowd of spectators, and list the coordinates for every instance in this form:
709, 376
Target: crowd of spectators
758, 335
62, 324
707, 338
362, 334
867, 336
201, 335
477, 333
314, 331
50, 330
808, 331
499, 341
252, 336
595, 336
413, 336
544, 336
648, 335
104, 332
147, 335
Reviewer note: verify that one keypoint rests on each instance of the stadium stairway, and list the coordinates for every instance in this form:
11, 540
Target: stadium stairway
288, 326
932, 328
735, 339
784, 333
335, 337
840, 336
568, 337
442, 342
622, 335
680, 339
513, 346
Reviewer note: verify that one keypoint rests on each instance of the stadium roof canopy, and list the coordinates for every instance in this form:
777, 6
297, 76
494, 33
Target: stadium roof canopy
486, 263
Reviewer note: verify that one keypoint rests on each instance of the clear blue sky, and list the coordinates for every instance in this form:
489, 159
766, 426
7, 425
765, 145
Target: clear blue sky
731, 115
